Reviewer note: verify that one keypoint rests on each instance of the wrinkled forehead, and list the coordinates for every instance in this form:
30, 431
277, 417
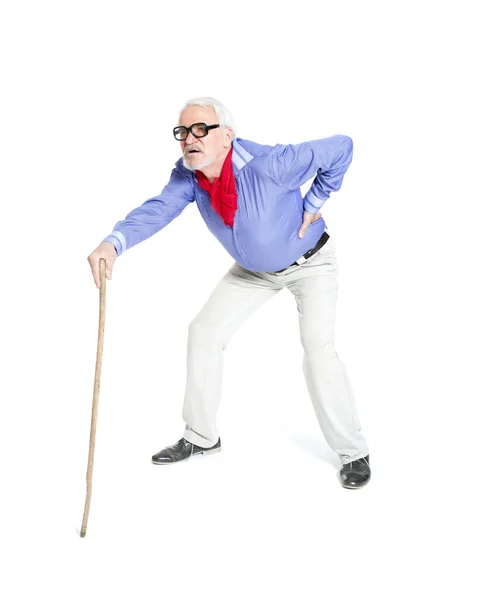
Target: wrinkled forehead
197, 114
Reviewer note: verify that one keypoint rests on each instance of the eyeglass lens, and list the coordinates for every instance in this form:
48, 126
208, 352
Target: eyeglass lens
198, 129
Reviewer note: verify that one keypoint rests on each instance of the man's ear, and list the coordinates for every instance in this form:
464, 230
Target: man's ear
228, 137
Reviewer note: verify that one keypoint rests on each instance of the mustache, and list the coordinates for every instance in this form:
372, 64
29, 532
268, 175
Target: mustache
191, 147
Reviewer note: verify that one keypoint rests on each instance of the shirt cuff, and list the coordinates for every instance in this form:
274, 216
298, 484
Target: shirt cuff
118, 240
312, 203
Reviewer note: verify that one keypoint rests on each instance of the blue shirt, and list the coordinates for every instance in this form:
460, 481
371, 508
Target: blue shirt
264, 236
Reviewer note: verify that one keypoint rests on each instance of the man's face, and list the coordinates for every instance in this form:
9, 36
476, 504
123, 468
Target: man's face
208, 148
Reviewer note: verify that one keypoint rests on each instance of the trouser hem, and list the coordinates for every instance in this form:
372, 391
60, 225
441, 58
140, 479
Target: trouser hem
198, 440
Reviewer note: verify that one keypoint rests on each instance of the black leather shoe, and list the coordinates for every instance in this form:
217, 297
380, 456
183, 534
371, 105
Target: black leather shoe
356, 474
182, 450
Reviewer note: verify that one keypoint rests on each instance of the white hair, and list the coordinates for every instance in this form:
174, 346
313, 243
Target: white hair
223, 115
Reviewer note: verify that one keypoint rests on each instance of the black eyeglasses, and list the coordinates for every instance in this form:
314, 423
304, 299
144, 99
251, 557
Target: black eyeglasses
199, 130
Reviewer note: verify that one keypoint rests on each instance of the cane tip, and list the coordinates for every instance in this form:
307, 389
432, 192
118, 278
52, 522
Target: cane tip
83, 533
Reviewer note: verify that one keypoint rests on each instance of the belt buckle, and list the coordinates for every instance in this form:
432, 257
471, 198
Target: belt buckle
301, 260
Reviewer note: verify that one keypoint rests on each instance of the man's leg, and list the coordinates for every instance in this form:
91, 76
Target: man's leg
315, 285
238, 294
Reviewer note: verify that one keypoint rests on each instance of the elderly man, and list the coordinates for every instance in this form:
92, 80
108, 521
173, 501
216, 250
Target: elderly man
249, 197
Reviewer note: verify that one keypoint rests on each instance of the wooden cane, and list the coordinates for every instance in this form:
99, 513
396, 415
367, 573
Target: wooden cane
96, 394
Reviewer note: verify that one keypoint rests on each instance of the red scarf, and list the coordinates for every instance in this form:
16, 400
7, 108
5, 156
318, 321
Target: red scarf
222, 191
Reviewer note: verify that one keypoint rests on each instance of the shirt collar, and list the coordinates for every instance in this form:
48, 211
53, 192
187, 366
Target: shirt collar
240, 156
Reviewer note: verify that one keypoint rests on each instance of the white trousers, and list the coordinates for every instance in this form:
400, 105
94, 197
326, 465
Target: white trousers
237, 295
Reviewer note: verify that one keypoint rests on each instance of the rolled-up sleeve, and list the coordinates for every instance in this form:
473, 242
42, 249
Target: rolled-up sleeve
327, 158
154, 214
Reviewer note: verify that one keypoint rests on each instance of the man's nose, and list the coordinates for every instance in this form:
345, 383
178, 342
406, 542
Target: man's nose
190, 138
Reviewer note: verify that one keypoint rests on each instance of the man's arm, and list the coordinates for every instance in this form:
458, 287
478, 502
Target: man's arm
328, 158
154, 214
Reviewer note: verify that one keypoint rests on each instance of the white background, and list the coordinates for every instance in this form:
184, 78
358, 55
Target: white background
91, 92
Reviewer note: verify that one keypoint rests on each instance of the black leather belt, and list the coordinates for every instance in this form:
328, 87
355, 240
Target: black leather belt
322, 240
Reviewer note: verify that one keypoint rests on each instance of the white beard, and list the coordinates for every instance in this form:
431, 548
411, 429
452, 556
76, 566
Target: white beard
206, 162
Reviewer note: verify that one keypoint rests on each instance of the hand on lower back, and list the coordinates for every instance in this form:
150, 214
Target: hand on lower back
308, 218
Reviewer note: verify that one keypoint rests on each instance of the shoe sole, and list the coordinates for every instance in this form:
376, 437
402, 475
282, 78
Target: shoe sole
173, 462
352, 487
